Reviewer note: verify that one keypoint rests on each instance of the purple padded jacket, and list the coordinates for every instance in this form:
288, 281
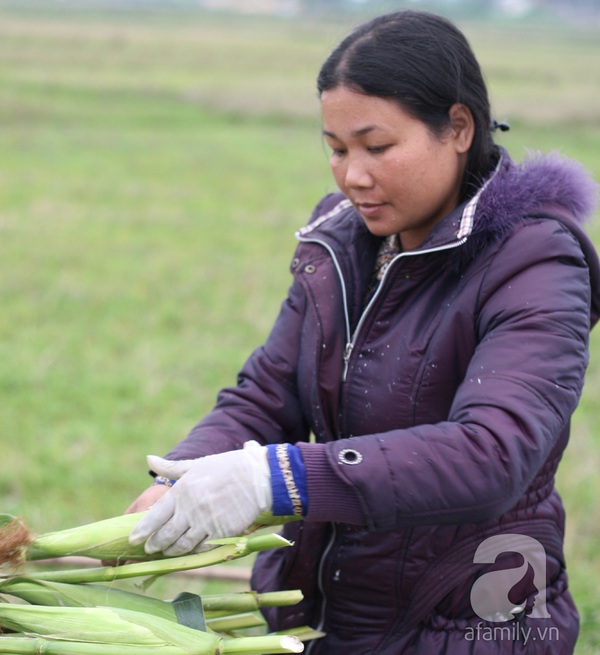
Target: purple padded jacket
430, 420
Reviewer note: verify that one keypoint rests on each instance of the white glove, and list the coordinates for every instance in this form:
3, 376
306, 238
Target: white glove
215, 496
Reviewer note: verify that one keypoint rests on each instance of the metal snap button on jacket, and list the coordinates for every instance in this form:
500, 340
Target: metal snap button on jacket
350, 456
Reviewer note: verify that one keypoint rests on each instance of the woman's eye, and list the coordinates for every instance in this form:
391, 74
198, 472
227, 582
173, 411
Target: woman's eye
376, 150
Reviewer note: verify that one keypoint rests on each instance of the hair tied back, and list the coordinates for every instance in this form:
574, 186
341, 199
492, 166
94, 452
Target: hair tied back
502, 126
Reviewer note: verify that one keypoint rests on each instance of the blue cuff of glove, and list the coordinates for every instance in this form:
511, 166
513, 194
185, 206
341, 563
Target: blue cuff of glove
288, 480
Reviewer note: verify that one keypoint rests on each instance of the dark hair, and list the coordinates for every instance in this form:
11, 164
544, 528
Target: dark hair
425, 63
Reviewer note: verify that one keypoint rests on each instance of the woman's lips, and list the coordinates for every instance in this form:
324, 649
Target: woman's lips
370, 209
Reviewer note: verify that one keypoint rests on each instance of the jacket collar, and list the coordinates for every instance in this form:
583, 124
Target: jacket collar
455, 228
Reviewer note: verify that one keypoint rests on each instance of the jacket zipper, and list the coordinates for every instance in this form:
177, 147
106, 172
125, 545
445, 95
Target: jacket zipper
350, 342
350, 345
321, 623
351, 337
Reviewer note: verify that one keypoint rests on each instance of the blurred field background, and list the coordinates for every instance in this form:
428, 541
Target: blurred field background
154, 165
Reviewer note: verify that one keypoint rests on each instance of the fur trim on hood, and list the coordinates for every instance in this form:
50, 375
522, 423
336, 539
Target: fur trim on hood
551, 185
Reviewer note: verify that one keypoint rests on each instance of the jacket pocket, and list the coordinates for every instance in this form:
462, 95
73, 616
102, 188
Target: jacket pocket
446, 587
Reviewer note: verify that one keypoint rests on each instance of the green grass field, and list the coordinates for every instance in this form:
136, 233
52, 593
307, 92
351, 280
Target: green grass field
153, 170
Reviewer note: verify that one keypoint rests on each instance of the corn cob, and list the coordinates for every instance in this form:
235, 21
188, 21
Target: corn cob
26, 645
227, 549
126, 628
48, 592
103, 540
60, 594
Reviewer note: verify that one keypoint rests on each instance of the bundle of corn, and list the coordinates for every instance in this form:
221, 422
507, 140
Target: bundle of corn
111, 631
104, 540
76, 611
222, 612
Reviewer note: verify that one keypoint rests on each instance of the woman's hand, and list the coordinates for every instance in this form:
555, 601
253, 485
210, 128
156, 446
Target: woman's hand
214, 497
147, 498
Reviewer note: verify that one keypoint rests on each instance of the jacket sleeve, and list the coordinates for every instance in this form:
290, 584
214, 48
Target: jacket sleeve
508, 415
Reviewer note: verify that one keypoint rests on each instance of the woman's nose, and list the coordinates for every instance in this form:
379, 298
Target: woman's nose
357, 175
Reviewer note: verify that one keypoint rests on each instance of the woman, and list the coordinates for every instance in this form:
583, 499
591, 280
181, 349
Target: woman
434, 342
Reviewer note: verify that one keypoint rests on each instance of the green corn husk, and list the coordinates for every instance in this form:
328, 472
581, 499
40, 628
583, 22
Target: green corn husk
107, 539
119, 627
303, 633
226, 550
225, 613
61, 594
267, 645
35, 645
104, 625
233, 622
267, 520
48, 592
104, 540
248, 601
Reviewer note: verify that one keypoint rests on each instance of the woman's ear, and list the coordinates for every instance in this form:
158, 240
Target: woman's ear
462, 126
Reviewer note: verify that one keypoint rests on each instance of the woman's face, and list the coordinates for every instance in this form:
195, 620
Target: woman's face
400, 177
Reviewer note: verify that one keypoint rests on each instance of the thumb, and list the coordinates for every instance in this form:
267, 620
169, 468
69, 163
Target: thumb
170, 469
